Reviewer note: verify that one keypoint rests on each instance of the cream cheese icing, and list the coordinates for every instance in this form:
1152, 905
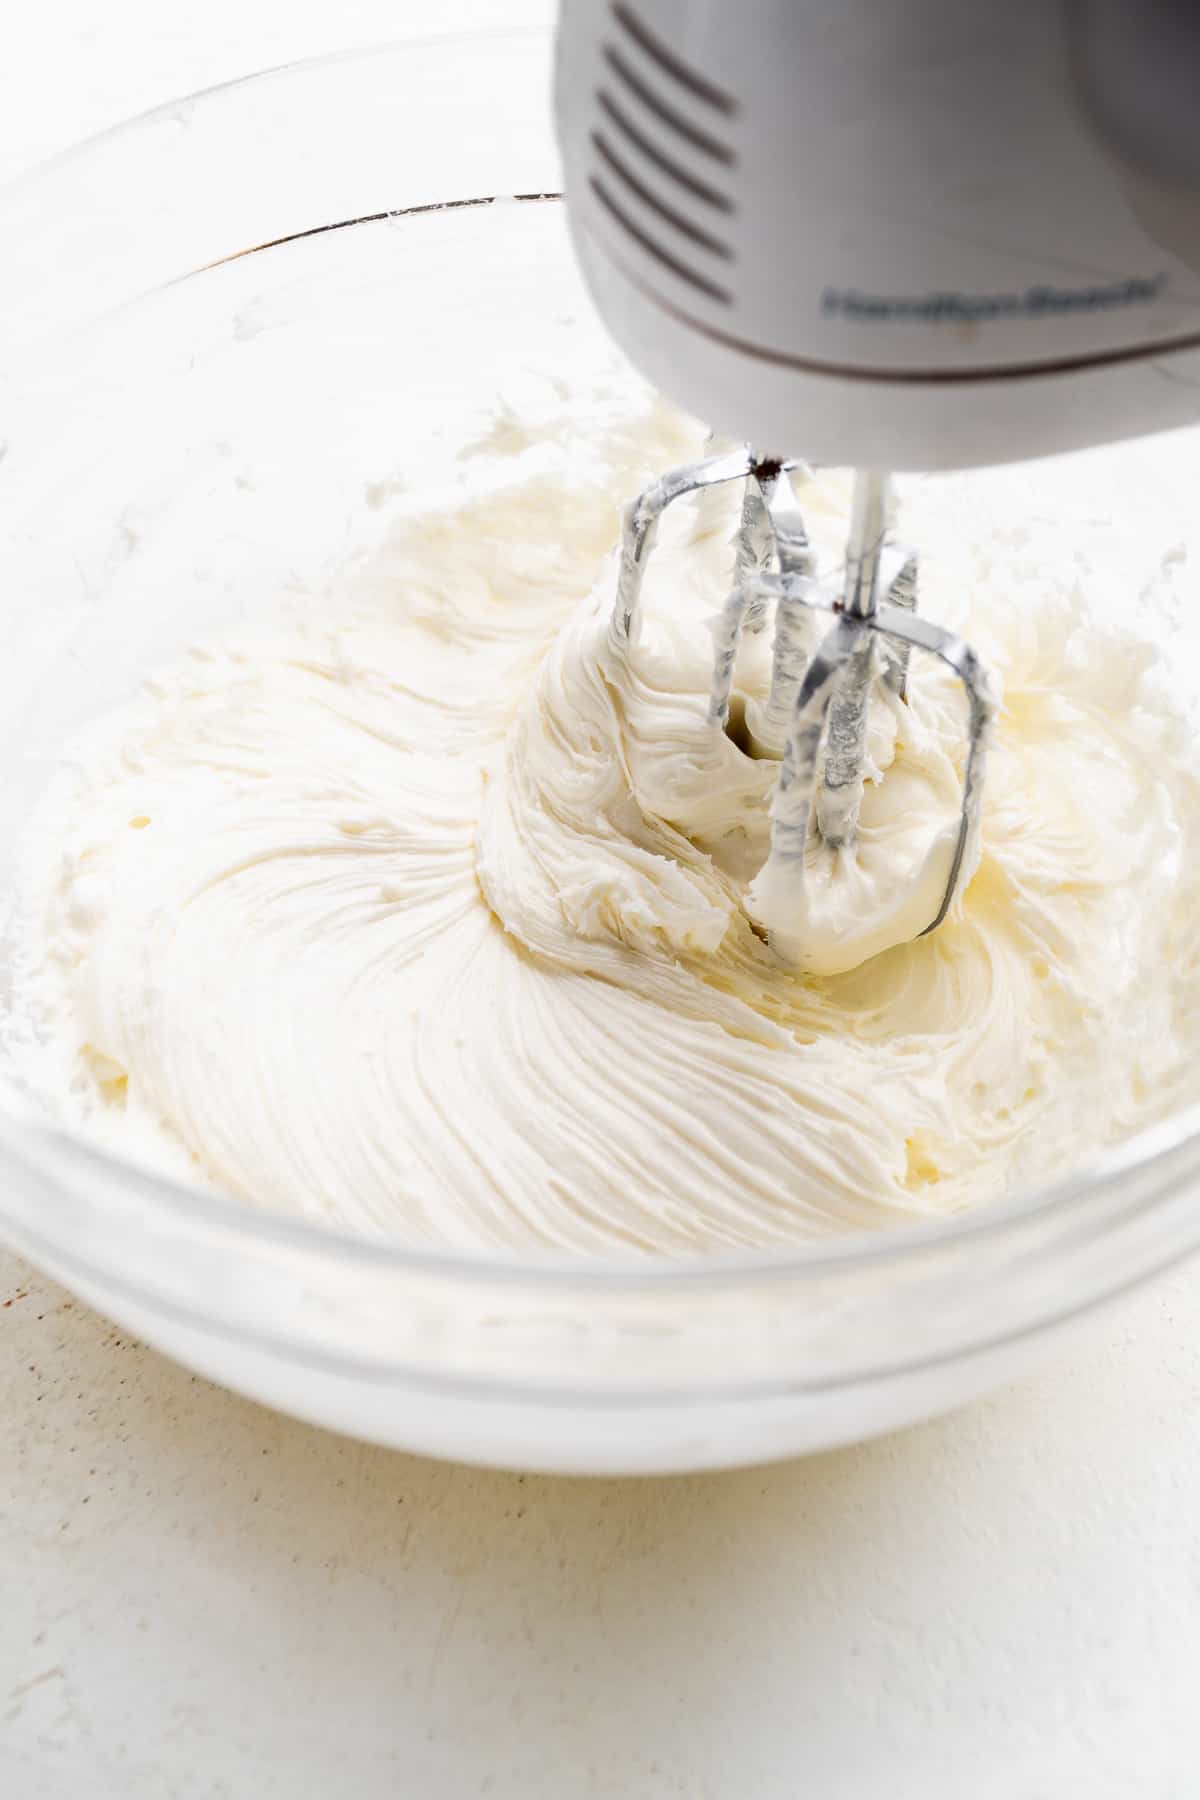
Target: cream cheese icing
433, 913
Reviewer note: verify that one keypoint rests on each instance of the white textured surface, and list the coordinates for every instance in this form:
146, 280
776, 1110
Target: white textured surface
202, 1600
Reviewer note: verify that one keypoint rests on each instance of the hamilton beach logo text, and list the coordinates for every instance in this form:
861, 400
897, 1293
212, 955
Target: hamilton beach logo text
970, 309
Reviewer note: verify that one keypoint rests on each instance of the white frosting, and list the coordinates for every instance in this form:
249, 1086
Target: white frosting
428, 914
625, 817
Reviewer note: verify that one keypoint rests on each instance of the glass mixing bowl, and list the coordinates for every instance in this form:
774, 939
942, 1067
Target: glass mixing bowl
305, 275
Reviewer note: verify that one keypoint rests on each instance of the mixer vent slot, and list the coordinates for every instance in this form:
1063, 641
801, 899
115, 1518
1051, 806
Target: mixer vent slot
616, 166
642, 186
669, 63
632, 229
625, 128
662, 110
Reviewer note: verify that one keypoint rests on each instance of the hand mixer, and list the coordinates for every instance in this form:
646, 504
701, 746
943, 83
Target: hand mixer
889, 234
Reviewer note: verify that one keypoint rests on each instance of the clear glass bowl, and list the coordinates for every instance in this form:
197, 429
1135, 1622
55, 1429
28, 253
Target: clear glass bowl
215, 286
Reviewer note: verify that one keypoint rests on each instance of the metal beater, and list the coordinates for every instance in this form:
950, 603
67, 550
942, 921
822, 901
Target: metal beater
814, 720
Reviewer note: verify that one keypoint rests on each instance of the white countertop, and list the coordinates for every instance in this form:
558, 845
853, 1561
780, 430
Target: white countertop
200, 1599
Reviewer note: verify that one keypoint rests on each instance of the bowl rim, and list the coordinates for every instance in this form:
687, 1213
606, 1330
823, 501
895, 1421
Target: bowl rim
325, 59
894, 1246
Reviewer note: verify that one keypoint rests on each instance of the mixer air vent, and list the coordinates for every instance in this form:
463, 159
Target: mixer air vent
659, 148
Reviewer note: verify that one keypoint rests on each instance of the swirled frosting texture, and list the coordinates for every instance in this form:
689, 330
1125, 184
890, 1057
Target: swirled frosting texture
427, 914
